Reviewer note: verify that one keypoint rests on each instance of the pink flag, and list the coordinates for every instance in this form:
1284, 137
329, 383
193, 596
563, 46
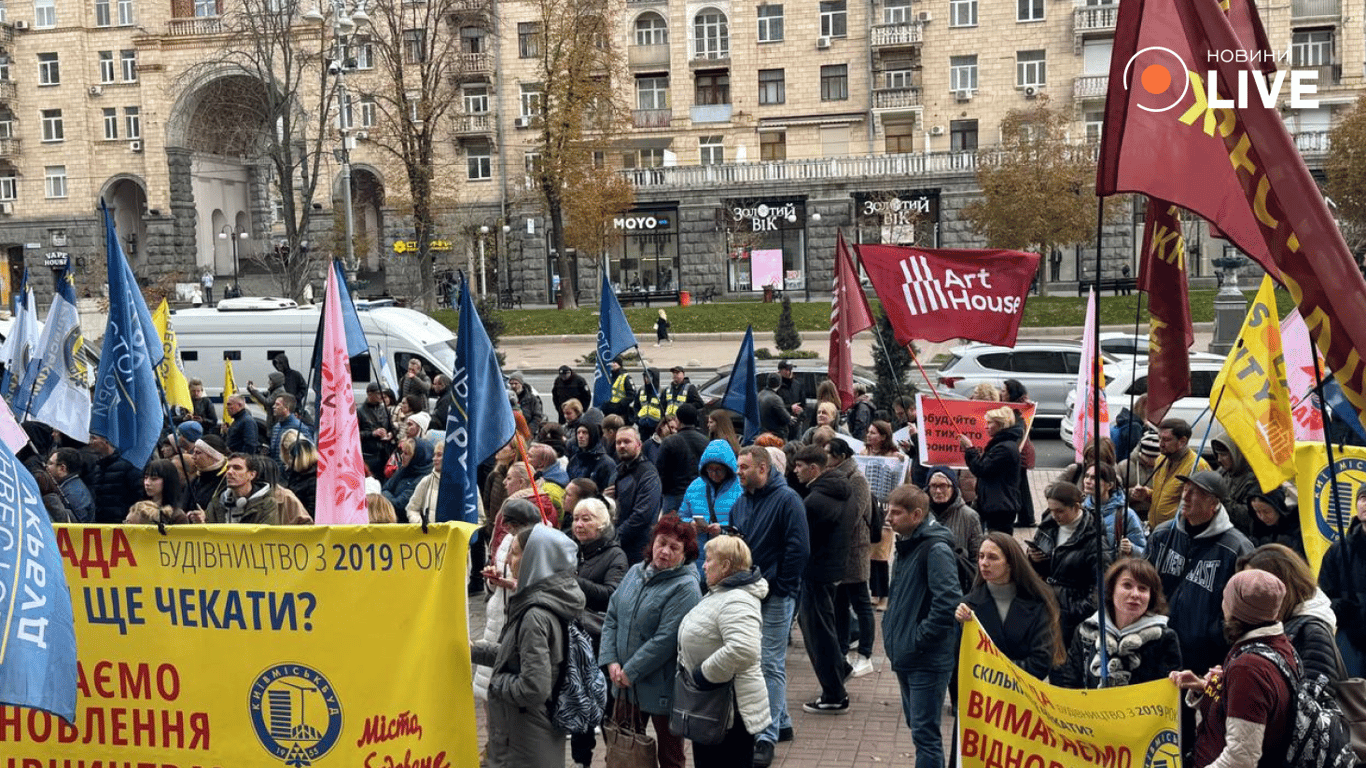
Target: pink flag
1299, 376
849, 314
11, 434
1090, 385
341, 471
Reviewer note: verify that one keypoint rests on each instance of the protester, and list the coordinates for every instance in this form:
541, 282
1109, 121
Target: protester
244, 435
1014, 605
285, 411
1306, 613
245, 499
997, 469
113, 482
1134, 538
602, 565
1066, 552
635, 486
712, 495
161, 485
495, 483
640, 632
1242, 483
445, 398
65, 466
293, 381
1163, 494
1243, 707
527, 400
827, 415
378, 510
949, 508
1138, 468
56, 507
529, 657
415, 380
678, 457
203, 410
793, 393
774, 415
422, 504
1139, 646
569, 386
1129, 426
1342, 577
852, 593
1273, 522
552, 478
591, 459
300, 460
291, 510
571, 411
208, 463
720, 642
500, 581
720, 426
275, 387
415, 463
1012, 391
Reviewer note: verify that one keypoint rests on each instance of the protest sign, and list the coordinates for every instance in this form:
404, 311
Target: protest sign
941, 422
289, 646
884, 473
1008, 717
1325, 508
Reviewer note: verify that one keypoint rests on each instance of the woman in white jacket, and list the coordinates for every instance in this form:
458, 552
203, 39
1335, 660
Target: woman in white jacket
422, 504
719, 641
517, 514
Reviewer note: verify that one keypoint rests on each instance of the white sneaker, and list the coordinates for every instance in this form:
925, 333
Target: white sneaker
862, 666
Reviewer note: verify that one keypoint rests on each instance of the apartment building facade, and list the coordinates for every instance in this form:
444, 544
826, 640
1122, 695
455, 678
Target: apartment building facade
757, 131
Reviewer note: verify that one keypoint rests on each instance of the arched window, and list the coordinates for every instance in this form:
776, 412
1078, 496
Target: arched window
711, 35
651, 29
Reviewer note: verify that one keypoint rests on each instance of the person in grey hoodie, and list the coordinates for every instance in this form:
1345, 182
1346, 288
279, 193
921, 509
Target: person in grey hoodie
530, 654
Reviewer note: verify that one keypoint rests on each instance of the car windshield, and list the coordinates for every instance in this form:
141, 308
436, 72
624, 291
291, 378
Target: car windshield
443, 352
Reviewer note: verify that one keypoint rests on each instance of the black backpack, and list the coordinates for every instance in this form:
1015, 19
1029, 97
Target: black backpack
1319, 735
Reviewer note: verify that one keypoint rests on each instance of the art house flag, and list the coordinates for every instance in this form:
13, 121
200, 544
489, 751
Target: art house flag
341, 470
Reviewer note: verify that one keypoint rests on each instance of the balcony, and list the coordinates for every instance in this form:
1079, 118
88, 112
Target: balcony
896, 98
1095, 18
711, 113
1315, 9
652, 118
1313, 145
1090, 87
470, 6
474, 64
6, 34
891, 35
1329, 74
710, 60
473, 125
203, 25
821, 169
9, 148
8, 92
648, 57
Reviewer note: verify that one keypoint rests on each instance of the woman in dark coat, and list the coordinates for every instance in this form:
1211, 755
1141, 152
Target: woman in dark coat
997, 469
1064, 552
1014, 606
1342, 577
1306, 613
1140, 647
591, 459
602, 564
1273, 522
1013, 391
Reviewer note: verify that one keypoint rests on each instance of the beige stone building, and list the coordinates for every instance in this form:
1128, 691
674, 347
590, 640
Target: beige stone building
757, 130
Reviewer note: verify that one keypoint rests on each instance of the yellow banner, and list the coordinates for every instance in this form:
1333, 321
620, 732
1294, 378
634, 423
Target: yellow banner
171, 373
229, 389
1319, 518
1008, 717
291, 646
1250, 396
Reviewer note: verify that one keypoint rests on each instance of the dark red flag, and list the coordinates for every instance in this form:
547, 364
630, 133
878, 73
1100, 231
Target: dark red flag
1279, 196
849, 314
1162, 274
939, 294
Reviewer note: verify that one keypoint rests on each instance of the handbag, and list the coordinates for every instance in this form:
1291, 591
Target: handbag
702, 716
628, 746
1351, 697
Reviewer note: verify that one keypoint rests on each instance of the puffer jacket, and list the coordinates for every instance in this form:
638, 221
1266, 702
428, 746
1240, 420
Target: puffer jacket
1070, 569
591, 461
115, 485
1343, 580
720, 640
1134, 529
1144, 651
1311, 631
713, 502
831, 514
602, 566
918, 629
997, 469
1242, 484
399, 488
856, 566
641, 632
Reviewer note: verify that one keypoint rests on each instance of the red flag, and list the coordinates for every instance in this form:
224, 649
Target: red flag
939, 294
849, 314
1279, 195
1162, 274
341, 471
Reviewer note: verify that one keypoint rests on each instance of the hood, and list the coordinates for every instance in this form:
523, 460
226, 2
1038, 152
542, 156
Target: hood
281, 362
556, 474
717, 452
775, 482
832, 484
1141, 623
275, 379
1223, 443
1218, 525
421, 462
548, 552
558, 593
1319, 607
931, 530
593, 416
750, 581
594, 434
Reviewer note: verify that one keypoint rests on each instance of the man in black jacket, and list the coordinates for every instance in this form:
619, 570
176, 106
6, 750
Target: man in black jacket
680, 391
294, 381
569, 386
114, 482
376, 428
792, 392
244, 436
773, 414
441, 390
637, 492
678, 457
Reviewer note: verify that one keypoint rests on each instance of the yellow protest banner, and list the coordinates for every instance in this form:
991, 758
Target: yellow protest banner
1008, 717
171, 373
290, 646
1250, 396
1326, 508
229, 389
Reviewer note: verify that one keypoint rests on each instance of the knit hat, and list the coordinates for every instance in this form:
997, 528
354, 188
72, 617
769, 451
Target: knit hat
779, 459
1148, 445
423, 421
191, 431
1254, 597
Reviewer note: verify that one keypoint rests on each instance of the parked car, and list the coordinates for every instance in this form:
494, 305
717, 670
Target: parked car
1127, 383
1048, 369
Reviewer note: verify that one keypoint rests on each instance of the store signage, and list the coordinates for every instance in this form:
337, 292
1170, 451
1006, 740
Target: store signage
410, 246
897, 211
56, 259
764, 217
641, 221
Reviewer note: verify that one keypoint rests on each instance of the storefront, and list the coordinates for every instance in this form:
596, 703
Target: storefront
646, 258
765, 244
898, 217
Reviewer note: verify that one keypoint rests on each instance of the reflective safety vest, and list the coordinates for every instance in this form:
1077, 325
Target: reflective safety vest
674, 398
649, 408
619, 387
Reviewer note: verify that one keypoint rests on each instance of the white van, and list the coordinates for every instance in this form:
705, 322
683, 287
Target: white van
252, 331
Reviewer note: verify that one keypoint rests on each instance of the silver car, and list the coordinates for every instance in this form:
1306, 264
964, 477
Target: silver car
1047, 369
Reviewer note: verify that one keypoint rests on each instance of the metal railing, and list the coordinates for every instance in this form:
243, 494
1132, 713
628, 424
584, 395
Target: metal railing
202, 25
1090, 86
867, 166
1095, 18
651, 118
910, 33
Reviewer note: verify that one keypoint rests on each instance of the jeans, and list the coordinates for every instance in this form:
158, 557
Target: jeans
777, 615
922, 697
817, 618
855, 596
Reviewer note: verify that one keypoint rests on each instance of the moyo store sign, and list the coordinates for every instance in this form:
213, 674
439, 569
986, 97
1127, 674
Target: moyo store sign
898, 217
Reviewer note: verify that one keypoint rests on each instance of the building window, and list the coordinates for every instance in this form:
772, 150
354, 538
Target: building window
128, 61
834, 18
473, 40
416, 110
106, 66
533, 166
773, 145
9, 186
45, 14
1029, 10
712, 88
528, 40
52, 125
835, 82
531, 100
125, 13
54, 181
651, 29
102, 17
652, 92
205, 8
415, 46
49, 69
6, 124
1311, 48
1030, 69
963, 135
772, 86
476, 100
365, 53
711, 150
896, 11
770, 23
899, 78
652, 157
711, 35
111, 123
132, 120
4, 67
963, 73
479, 161
962, 13
1095, 123
834, 140
900, 135
367, 111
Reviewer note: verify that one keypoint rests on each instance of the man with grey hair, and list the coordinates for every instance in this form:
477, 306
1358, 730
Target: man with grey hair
243, 434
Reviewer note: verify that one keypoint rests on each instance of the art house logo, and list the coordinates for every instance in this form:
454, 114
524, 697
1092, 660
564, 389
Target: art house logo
295, 713
927, 292
1160, 79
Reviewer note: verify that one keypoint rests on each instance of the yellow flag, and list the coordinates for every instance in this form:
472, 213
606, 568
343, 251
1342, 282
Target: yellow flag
229, 389
1325, 508
170, 372
1251, 398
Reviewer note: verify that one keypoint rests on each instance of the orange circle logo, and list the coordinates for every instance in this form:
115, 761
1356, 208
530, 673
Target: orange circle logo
1156, 79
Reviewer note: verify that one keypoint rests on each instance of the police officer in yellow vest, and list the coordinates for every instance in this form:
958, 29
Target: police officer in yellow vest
649, 405
680, 391
623, 399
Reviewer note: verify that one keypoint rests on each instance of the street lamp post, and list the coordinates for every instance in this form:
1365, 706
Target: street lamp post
483, 233
228, 234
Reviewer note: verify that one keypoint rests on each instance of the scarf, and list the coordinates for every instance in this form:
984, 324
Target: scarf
1123, 646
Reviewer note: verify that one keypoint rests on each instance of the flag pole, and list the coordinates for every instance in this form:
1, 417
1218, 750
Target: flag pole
1092, 357
1328, 445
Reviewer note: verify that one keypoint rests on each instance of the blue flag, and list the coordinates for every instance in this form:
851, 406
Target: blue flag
54, 389
742, 393
1341, 408
356, 345
614, 337
127, 409
480, 421
20, 345
38, 647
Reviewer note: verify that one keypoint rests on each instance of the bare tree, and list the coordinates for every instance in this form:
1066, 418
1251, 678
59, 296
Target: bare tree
1346, 168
